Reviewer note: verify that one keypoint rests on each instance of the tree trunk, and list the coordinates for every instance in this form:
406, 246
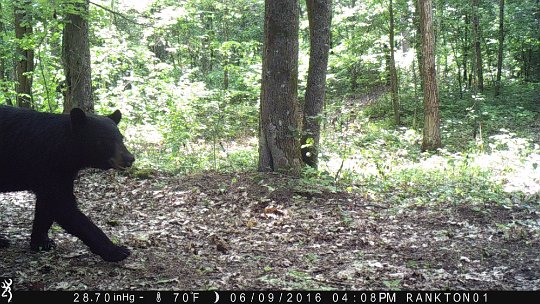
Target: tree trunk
466, 47
3, 70
320, 19
393, 72
2, 74
477, 48
280, 120
432, 121
524, 65
76, 59
417, 104
443, 30
25, 56
418, 43
458, 73
227, 56
501, 48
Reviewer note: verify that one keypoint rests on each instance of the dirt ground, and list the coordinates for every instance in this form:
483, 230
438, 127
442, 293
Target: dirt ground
262, 231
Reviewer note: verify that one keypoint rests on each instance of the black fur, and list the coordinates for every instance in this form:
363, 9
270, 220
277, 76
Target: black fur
43, 153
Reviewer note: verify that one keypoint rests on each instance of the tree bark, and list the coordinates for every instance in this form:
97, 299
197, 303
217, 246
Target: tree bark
418, 43
25, 56
501, 48
3, 71
393, 72
280, 120
432, 121
458, 72
227, 58
76, 59
416, 99
466, 49
2, 77
477, 47
320, 19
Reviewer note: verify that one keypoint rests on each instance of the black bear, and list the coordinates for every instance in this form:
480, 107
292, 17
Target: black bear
42, 153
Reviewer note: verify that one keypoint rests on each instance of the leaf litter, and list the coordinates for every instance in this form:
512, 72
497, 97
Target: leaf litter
258, 231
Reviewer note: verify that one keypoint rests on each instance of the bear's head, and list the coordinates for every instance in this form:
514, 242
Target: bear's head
99, 140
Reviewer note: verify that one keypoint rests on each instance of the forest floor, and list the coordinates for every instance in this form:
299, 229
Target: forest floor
264, 231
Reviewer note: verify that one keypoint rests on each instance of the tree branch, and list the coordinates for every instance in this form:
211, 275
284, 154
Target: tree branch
117, 13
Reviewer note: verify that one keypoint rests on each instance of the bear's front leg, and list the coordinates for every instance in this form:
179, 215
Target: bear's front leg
43, 219
66, 213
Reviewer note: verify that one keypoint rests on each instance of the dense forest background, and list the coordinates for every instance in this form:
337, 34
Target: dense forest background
187, 76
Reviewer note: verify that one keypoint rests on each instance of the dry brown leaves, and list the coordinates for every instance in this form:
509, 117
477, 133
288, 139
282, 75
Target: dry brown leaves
252, 231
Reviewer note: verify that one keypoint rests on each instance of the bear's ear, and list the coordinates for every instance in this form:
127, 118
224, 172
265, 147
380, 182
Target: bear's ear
116, 116
78, 117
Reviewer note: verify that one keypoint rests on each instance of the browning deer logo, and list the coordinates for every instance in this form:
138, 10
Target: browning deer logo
6, 286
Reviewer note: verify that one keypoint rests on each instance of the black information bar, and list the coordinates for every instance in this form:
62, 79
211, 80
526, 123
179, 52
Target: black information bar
239, 297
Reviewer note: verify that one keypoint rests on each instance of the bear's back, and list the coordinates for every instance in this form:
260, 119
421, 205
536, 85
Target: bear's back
32, 144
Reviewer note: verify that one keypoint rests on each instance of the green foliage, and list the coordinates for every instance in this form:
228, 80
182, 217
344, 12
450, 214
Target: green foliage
501, 165
192, 81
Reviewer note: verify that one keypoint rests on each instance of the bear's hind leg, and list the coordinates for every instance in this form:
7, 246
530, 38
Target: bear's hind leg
4, 242
43, 220
75, 222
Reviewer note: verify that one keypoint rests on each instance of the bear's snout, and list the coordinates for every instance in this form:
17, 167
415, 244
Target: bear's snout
129, 159
122, 158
